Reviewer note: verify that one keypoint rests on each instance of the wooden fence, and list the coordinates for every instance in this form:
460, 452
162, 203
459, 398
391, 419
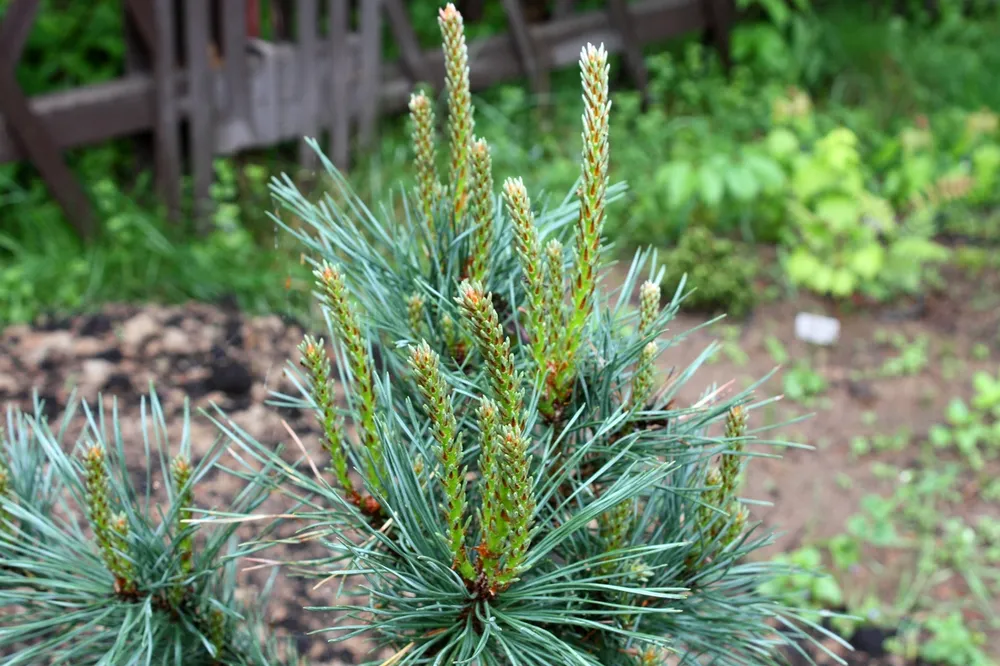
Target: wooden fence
201, 83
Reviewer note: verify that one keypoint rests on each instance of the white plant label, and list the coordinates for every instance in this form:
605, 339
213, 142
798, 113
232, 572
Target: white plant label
816, 329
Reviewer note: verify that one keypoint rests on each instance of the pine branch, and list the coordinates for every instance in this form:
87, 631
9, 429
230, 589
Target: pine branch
482, 211
422, 137
345, 321
530, 254
317, 365
593, 195
494, 347
441, 411
460, 120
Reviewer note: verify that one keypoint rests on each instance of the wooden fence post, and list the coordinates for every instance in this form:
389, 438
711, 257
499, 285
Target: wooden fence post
370, 70
411, 56
28, 129
526, 51
307, 18
562, 9
238, 127
166, 130
139, 54
338, 107
201, 120
621, 20
720, 15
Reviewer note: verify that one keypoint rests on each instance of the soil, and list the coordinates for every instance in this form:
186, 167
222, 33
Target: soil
213, 353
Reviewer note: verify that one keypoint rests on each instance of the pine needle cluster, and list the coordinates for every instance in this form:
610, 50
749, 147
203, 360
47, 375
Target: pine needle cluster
512, 479
95, 570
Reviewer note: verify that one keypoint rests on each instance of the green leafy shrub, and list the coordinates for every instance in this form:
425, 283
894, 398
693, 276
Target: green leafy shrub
517, 485
720, 270
845, 239
952, 157
696, 146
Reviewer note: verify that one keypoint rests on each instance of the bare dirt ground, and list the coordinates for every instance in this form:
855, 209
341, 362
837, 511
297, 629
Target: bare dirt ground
212, 353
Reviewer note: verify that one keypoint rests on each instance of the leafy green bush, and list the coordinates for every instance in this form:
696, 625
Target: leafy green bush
517, 487
721, 271
845, 238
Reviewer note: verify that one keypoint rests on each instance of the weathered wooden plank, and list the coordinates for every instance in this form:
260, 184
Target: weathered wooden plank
371, 70
307, 20
621, 19
472, 10
288, 103
162, 110
562, 8
411, 56
234, 125
141, 14
525, 48
88, 116
30, 132
720, 15
138, 62
15, 28
281, 26
338, 104
201, 142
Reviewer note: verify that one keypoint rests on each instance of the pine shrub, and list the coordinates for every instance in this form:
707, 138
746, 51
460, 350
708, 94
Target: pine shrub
507, 476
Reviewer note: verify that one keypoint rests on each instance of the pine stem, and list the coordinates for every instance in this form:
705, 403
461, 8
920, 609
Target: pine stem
592, 194
530, 255
109, 531
492, 516
180, 470
521, 503
422, 136
6, 493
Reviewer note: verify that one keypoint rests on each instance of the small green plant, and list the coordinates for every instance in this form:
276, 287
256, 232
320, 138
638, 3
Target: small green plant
945, 640
913, 356
973, 428
806, 585
801, 383
722, 270
951, 161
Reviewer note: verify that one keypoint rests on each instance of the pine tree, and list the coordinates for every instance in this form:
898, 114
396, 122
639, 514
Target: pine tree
539, 496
